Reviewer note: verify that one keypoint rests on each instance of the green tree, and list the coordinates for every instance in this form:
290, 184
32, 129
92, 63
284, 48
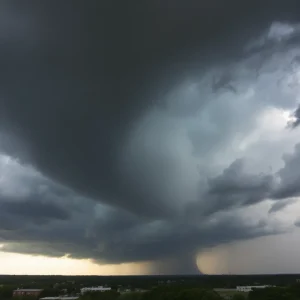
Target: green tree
49, 292
6, 292
108, 295
238, 296
131, 296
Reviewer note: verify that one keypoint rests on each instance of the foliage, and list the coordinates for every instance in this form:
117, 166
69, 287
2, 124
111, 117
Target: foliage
198, 287
6, 292
180, 293
25, 298
131, 296
49, 292
275, 293
145, 282
107, 295
238, 296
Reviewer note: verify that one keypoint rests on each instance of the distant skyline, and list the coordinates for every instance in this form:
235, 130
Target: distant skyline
149, 137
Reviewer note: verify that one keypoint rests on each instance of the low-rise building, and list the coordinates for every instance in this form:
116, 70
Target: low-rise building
123, 290
94, 289
250, 288
27, 292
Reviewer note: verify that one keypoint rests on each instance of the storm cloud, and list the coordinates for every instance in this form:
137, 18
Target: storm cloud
297, 223
289, 175
146, 131
296, 115
277, 206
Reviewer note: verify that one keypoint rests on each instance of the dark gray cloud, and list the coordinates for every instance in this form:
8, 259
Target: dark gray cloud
161, 242
279, 205
236, 182
289, 175
91, 125
61, 223
34, 209
99, 78
296, 115
233, 188
297, 223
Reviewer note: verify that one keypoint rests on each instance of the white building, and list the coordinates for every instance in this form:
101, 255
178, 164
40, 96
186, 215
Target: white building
94, 289
250, 288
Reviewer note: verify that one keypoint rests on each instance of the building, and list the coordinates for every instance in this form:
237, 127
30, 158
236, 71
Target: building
124, 290
27, 292
94, 289
250, 288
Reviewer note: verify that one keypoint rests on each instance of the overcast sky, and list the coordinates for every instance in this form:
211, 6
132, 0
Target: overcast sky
149, 137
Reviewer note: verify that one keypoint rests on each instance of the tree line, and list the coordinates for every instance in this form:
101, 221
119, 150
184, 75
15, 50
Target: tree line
159, 293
